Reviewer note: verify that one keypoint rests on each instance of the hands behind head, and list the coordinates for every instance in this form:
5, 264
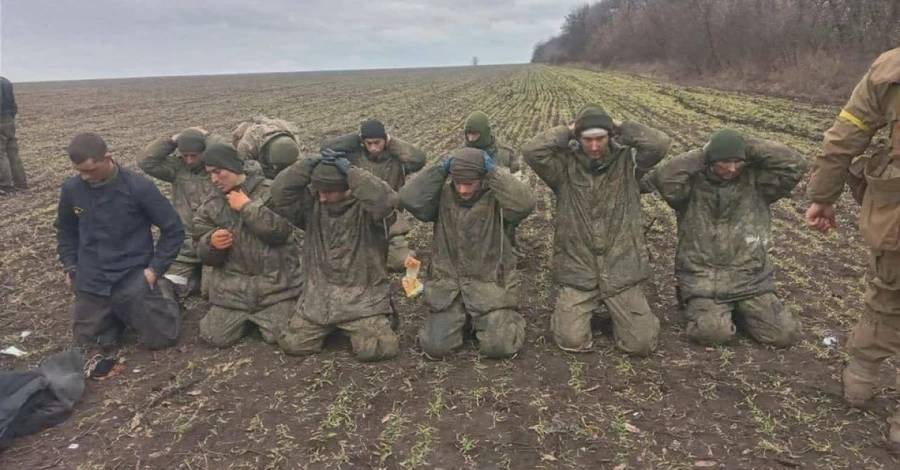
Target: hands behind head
335, 159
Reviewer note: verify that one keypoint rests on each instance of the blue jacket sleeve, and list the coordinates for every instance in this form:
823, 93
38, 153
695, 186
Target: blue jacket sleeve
162, 214
66, 225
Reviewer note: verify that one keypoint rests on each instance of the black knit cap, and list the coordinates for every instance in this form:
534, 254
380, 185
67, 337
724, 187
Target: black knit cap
372, 129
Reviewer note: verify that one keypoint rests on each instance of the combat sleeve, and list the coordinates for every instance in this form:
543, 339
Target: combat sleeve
412, 157
849, 136
376, 196
171, 231
263, 222
347, 143
421, 196
779, 167
650, 144
204, 226
514, 196
543, 154
673, 177
291, 197
238, 133
67, 233
157, 161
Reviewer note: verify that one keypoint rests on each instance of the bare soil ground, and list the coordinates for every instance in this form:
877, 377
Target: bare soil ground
741, 406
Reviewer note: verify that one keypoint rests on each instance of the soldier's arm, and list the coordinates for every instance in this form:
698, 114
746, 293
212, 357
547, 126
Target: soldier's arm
514, 196
290, 193
672, 178
376, 196
204, 226
780, 167
348, 143
542, 154
67, 234
413, 158
162, 215
262, 221
421, 196
238, 133
157, 161
848, 138
651, 145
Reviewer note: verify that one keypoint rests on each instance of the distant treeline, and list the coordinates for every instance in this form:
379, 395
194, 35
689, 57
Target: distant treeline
748, 39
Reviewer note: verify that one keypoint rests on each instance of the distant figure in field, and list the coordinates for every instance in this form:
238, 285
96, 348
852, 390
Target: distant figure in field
346, 213
600, 257
271, 142
390, 159
12, 173
472, 277
254, 253
105, 244
721, 195
190, 188
874, 104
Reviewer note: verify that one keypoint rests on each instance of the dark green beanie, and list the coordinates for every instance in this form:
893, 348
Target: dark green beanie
224, 156
479, 122
191, 141
467, 165
283, 151
592, 116
328, 178
726, 144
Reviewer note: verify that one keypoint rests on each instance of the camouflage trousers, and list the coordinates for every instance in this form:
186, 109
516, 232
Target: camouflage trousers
763, 317
372, 338
500, 333
398, 250
222, 327
153, 313
12, 173
635, 328
186, 276
877, 335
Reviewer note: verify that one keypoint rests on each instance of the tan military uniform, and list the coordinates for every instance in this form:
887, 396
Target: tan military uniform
875, 104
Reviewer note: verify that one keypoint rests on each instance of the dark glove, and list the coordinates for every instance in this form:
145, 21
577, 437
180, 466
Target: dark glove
446, 164
341, 163
489, 164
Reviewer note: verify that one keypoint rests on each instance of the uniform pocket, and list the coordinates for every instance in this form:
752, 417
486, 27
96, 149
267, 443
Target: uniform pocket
879, 220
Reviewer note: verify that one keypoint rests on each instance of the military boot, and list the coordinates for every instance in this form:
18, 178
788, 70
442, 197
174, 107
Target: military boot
859, 379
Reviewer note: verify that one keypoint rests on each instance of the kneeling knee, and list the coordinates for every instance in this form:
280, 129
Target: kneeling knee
782, 338
710, 332
384, 347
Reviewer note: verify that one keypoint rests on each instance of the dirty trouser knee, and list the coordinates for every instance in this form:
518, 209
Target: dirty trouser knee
222, 327
303, 337
372, 338
272, 320
877, 335
500, 333
570, 322
708, 321
766, 319
635, 327
154, 315
443, 330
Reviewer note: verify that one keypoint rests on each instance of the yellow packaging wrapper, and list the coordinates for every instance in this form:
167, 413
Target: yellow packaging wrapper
410, 282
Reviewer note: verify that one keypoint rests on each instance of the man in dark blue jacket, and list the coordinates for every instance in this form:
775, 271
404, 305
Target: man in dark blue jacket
105, 244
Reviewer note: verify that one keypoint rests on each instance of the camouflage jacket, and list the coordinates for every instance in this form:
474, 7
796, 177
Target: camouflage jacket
471, 251
251, 137
599, 239
262, 268
503, 156
190, 186
399, 159
346, 248
725, 227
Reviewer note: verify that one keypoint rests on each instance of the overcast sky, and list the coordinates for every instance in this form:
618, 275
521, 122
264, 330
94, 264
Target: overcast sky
75, 39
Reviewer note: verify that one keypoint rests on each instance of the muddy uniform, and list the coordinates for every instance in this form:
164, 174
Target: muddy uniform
875, 104
190, 188
271, 142
105, 242
346, 282
472, 271
12, 173
724, 234
258, 279
600, 255
398, 160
